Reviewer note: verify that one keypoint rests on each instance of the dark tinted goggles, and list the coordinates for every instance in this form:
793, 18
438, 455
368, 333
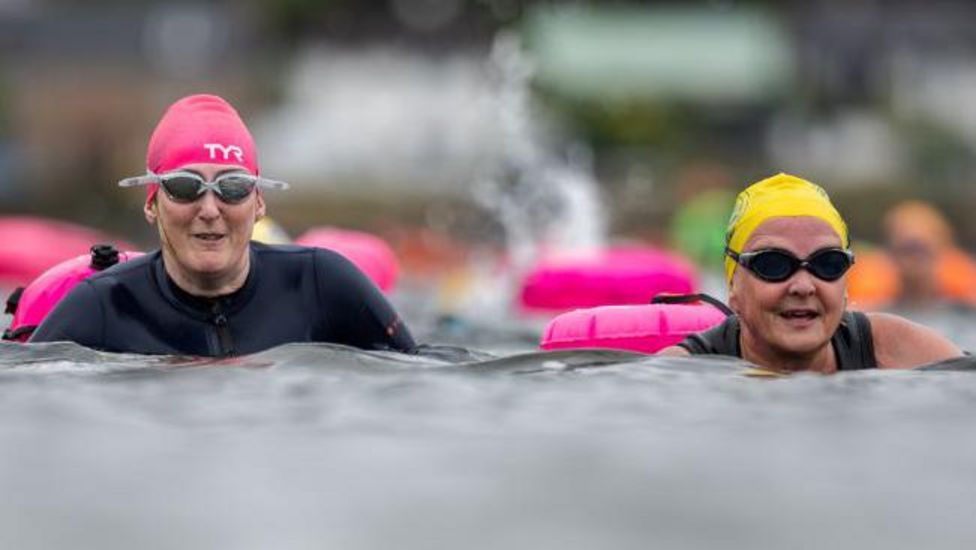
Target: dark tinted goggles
187, 187
775, 265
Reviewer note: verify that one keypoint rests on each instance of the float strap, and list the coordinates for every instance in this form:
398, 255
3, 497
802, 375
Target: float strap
692, 298
13, 300
18, 332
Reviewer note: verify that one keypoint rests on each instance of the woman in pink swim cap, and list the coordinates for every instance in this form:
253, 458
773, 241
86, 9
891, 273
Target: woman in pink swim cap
203, 235
209, 290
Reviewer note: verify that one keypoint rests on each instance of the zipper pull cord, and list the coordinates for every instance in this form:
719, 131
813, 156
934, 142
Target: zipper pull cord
223, 331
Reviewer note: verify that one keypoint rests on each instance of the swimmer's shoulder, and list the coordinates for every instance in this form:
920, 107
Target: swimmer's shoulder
900, 343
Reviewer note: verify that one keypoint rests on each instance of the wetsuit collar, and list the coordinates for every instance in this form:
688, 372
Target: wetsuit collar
203, 307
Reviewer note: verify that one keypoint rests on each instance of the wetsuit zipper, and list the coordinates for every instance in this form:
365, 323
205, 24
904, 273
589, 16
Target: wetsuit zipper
224, 339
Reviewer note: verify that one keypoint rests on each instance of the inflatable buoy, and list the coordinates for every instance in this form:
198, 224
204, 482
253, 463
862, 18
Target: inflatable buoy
613, 276
371, 254
32, 245
31, 304
644, 328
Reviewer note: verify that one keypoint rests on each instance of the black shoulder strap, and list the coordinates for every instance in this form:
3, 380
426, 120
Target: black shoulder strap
722, 339
853, 343
865, 339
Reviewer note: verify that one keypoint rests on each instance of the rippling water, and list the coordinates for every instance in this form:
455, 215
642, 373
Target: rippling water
317, 446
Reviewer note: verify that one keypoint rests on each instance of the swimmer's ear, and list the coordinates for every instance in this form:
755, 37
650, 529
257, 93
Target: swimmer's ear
149, 210
260, 209
733, 296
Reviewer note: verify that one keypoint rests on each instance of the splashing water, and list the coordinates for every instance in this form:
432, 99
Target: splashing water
542, 200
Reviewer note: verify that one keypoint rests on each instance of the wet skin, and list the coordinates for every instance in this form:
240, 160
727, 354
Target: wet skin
789, 324
205, 243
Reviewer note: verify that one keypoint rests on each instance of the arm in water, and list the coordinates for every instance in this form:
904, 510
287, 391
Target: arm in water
369, 321
78, 318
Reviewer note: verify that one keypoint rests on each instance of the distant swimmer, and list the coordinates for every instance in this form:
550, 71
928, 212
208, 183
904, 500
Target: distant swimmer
790, 298
210, 290
931, 268
920, 268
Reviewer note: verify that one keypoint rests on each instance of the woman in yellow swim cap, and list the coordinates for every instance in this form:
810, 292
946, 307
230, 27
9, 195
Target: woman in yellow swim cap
787, 254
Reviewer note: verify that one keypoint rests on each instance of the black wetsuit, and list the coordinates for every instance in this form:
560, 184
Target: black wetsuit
853, 344
292, 294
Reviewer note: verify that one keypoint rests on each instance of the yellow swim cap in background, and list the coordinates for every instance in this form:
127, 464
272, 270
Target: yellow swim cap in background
782, 195
268, 232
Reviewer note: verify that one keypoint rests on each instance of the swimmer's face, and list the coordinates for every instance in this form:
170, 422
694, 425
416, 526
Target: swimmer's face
797, 317
205, 242
916, 260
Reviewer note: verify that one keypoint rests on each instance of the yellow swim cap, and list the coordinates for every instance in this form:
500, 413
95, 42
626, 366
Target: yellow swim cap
782, 195
268, 232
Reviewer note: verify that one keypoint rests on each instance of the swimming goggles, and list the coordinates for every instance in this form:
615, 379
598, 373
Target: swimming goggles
187, 187
774, 265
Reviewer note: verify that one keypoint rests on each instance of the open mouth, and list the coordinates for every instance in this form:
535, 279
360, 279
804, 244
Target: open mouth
210, 237
799, 314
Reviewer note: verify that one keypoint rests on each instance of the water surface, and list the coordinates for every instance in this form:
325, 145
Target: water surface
318, 446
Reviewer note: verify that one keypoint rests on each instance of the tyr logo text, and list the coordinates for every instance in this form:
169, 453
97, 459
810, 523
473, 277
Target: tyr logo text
226, 151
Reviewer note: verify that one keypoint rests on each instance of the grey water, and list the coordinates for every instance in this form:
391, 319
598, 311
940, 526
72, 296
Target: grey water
321, 446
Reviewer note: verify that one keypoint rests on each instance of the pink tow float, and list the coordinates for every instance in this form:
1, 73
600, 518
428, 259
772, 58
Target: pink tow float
612, 276
643, 328
31, 245
32, 304
371, 254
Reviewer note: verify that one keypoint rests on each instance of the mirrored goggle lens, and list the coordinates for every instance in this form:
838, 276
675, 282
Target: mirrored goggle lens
829, 265
774, 266
183, 188
230, 189
234, 188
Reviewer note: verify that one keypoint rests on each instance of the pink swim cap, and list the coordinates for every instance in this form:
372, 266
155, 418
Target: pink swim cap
199, 128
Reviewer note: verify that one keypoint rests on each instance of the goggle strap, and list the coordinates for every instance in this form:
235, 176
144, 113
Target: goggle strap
271, 184
137, 181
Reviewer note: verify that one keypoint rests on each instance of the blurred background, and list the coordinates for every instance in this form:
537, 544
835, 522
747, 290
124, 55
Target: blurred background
450, 127
474, 136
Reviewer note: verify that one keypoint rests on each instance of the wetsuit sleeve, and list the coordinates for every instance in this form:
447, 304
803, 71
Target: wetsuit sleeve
77, 318
358, 311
